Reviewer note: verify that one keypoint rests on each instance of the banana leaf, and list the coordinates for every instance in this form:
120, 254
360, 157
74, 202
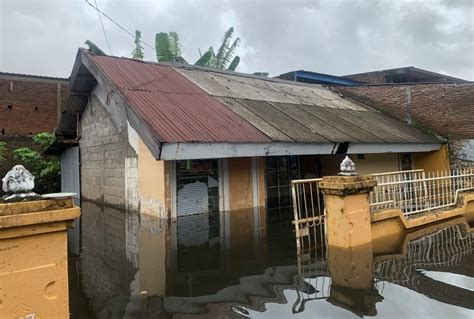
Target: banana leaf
235, 62
162, 47
221, 53
206, 59
175, 46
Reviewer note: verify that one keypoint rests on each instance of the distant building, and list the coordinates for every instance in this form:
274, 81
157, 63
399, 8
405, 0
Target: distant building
446, 109
409, 74
29, 104
317, 78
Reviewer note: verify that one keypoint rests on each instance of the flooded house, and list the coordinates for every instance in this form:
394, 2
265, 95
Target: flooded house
181, 167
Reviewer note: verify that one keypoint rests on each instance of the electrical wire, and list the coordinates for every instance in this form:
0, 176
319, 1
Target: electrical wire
103, 29
117, 24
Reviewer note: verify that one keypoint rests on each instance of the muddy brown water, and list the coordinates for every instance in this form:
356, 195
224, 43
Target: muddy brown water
221, 266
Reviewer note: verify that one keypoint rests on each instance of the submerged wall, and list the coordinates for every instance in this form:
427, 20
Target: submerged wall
126, 198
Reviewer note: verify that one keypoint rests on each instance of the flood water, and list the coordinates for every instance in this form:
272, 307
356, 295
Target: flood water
238, 265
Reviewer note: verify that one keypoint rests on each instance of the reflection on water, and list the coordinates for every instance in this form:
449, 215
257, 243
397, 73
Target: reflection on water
220, 265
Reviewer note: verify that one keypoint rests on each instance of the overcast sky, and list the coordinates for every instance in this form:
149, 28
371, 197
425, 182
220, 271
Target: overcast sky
335, 37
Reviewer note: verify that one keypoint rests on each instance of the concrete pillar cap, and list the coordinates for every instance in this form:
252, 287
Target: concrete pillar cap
347, 185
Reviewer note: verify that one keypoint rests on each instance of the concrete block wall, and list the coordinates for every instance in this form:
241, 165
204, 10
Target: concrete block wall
105, 270
462, 152
103, 153
109, 173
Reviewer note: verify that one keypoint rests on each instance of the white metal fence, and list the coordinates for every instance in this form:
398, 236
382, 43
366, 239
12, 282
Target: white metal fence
416, 192
443, 248
308, 211
413, 192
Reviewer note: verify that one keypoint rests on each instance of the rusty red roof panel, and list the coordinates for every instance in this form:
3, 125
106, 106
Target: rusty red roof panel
173, 107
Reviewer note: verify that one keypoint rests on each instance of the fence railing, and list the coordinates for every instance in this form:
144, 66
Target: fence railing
416, 192
443, 248
413, 192
308, 211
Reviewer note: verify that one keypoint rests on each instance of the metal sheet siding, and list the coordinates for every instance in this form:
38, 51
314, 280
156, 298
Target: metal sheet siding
173, 107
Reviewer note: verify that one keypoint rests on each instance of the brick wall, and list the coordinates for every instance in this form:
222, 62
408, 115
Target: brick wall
445, 108
369, 77
28, 107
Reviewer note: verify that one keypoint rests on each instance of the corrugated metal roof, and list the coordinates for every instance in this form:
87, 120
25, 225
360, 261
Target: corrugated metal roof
187, 104
173, 107
302, 113
222, 84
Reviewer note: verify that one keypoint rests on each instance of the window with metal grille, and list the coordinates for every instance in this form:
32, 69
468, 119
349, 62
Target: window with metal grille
197, 208
197, 187
280, 170
406, 162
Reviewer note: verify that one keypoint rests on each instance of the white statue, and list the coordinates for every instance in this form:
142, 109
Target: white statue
347, 167
18, 180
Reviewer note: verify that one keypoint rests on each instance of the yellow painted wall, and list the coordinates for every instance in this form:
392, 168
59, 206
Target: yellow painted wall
34, 277
372, 163
432, 161
155, 205
33, 258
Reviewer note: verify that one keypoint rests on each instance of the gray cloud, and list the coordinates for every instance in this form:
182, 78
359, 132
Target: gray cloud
337, 37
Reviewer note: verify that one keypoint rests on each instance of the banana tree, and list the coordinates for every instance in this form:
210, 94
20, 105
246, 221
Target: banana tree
224, 55
137, 53
168, 48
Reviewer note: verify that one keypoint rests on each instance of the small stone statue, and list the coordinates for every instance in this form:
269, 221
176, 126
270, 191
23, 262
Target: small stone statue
347, 167
19, 183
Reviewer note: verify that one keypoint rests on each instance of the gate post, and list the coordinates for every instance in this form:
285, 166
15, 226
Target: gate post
349, 240
346, 199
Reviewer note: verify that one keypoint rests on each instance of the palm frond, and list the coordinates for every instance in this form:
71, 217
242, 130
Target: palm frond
235, 62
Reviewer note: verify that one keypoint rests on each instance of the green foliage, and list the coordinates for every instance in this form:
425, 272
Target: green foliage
137, 53
3, 146
168, 48
45, 169
94, 49
175, 46
224, 55
235, 62
207, 58
44, 139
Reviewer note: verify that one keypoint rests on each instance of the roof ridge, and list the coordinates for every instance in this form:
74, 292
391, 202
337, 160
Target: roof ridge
180, 65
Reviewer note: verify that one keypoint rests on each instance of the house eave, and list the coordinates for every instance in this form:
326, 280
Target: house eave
185, 151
